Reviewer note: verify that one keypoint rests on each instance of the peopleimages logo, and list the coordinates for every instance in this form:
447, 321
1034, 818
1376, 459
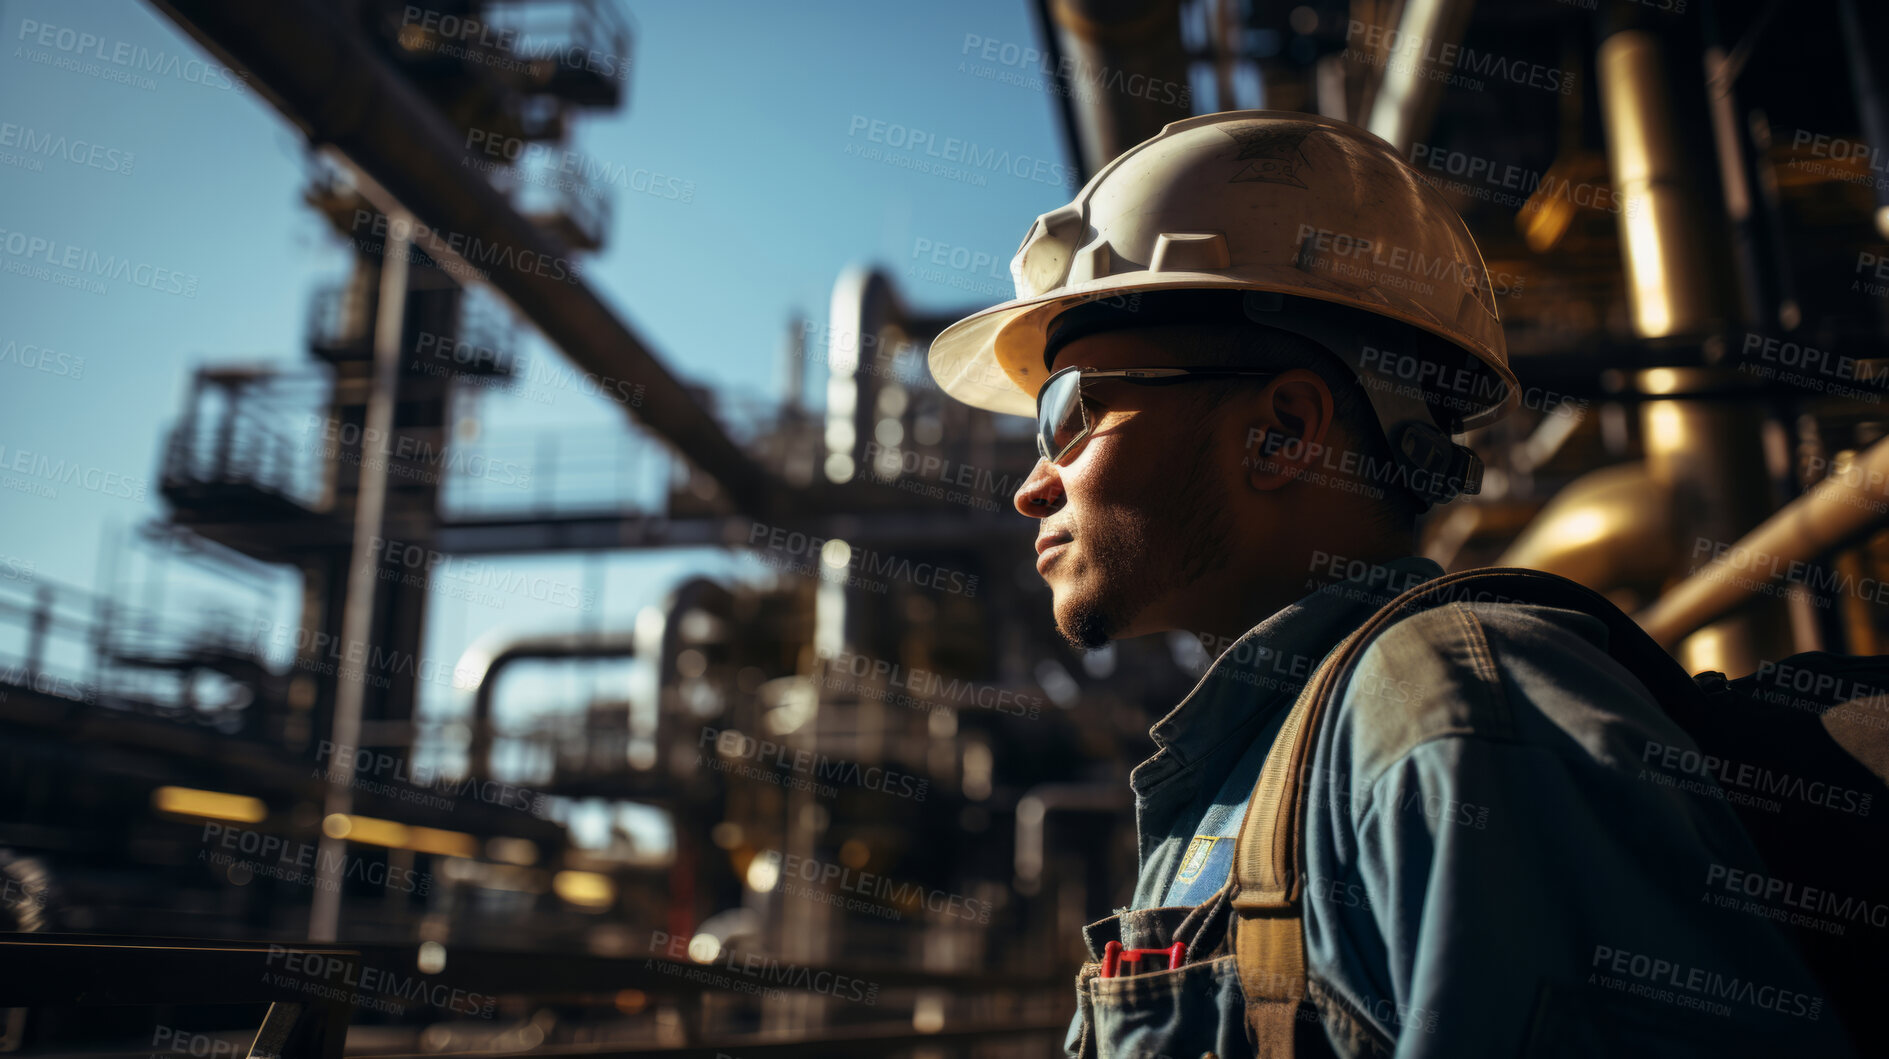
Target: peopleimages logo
1327, 786
1874, 159
41, 359
929, 685
729, 743
1404, 49
1463, 389
506, 47
1506, 184
39, 249
408, 456
304, 862
201, 1045
1813, 900
974, 158
478, 253
1726, 774
1347, 255
1704, 986
1771, 574
1801, 688
38, 468
330, 655
941, 469
1025, 67
760, 974
466, 578
838, 555
45, 683
367, 765
335, 971
1346, 470
894, 897
131, 59
569, 169
1788, 354
36, 144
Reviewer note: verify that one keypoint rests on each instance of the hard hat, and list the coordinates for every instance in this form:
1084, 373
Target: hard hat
1292, 204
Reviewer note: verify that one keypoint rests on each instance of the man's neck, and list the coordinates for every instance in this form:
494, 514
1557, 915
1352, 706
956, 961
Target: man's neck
1237, 604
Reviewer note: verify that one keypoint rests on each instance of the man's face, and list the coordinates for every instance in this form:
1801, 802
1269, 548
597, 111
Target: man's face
1137, 513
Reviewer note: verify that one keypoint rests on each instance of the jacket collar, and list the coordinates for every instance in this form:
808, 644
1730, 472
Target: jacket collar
1265, 668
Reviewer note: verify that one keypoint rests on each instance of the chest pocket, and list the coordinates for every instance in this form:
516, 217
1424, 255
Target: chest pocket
1200, 1007
1185, 1012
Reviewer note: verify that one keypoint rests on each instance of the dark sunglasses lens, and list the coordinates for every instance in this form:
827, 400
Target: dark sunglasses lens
1059, 413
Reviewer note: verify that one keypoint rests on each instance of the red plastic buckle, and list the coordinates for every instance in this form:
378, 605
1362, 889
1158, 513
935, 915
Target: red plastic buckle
1113, 956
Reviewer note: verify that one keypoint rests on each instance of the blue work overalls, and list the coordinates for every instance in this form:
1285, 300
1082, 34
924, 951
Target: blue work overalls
1493, 866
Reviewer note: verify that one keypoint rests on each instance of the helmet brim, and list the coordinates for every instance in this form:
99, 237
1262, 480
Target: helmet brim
993, 359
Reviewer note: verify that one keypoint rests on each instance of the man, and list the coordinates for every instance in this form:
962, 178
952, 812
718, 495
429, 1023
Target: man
1247, 343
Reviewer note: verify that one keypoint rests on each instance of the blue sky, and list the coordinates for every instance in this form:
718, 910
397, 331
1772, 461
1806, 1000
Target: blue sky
753, 105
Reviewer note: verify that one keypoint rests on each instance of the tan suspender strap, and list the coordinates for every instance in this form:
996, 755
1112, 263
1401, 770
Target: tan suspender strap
1269, 855
1270, 953
1263, 870
1268, 935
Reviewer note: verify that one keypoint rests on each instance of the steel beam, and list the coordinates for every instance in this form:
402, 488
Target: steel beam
307, 61
919, 527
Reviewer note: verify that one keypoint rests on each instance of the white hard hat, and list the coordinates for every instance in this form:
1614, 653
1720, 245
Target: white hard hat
1275, 201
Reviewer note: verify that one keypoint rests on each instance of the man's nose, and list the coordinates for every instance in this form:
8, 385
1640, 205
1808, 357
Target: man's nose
1041, 494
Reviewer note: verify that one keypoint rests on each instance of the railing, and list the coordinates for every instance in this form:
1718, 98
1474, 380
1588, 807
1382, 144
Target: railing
486, 324
341, 326
256, 429
575, 205
76, 971
215, 637
573, 51
340, 320
49, 634
582, 36
567, 748
746, 417
315, 991
332, 191
94, 649
567, 473
558, 472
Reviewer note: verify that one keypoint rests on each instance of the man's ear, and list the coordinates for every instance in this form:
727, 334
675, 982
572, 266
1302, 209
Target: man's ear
1289, 431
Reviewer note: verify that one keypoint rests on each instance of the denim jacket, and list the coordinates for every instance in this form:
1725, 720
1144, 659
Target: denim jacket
1496, 865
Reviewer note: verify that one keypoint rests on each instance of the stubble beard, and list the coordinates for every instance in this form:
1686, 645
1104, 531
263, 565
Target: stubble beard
1141, 553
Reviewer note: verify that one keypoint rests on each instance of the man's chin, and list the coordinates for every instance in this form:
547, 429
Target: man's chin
1087, 623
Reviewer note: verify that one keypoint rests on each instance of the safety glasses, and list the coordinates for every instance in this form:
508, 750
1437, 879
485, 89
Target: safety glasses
1062, 416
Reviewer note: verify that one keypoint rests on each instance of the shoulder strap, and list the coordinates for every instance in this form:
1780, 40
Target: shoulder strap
1269, 855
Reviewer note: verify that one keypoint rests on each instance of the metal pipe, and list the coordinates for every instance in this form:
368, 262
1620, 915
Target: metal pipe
1763, 270
1868, 103
1034, 808
1063, 83
1832, 512
36, 635
1702, 429
1126, 72
1671, 275
483, 667
1608, 529
1406, 96
1704, 447
357, 616
862, 307
305, 59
